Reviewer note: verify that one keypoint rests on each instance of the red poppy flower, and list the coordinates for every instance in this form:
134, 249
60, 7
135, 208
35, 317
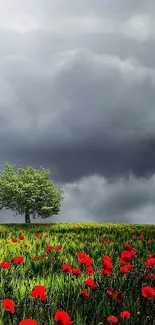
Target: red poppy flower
148, 292
123, 269
76, 271
106, 258
48, 248
90, 283
106, 272
125, 314
39, 291
58, 247
28, 322
152, 255
18, 260
66, 268
101, 240
89, 270
128, 247
108, 242
118, 296
107, 265
9, 305
84, 293
110, 291
125, 257
133, 253
86, 260
112, 319
62, 317
5, 265
80, 255
21, 237
14, 240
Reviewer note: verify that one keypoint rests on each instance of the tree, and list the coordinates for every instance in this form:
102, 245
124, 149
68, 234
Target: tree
29, 191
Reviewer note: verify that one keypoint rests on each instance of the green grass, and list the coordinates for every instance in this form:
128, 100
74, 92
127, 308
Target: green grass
63, 290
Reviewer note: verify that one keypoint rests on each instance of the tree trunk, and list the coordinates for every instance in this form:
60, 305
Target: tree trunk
27, 217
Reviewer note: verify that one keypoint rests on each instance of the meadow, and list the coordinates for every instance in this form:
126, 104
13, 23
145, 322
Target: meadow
80, 274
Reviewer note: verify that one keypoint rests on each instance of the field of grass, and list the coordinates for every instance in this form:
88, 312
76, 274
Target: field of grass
80, 274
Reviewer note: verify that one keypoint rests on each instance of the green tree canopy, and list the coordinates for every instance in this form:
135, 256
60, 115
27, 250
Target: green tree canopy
29, 191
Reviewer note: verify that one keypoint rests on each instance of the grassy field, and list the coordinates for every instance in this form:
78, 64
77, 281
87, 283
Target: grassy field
80, 274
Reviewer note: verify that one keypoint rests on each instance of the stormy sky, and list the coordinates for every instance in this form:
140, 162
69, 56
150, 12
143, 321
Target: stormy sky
77, 96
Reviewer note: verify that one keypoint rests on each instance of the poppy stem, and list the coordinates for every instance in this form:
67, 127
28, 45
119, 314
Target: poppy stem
11, 318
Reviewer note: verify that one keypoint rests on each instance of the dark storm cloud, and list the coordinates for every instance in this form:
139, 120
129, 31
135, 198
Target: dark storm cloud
101, 122
77, 96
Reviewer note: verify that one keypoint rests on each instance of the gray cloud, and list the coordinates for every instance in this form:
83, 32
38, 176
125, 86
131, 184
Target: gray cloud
77, 96
98, 124
134, 18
